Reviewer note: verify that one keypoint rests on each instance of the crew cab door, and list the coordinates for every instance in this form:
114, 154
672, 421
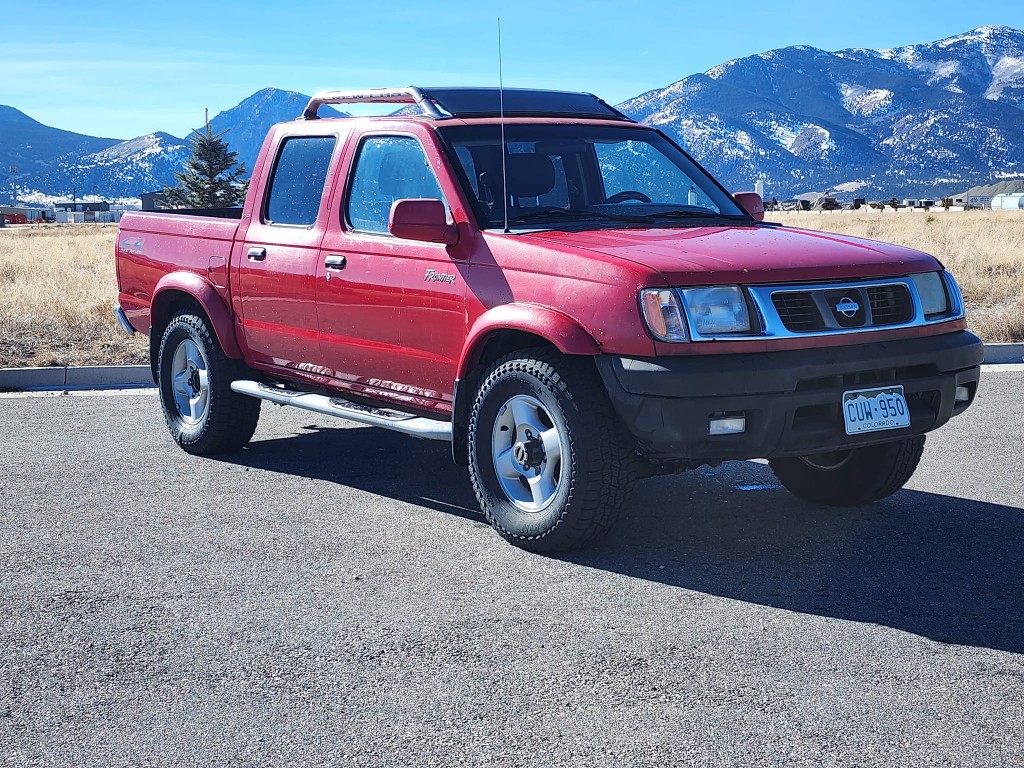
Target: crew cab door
391, 311
275, 260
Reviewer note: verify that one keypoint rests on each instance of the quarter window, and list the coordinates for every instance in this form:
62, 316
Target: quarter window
297, 185
388, 168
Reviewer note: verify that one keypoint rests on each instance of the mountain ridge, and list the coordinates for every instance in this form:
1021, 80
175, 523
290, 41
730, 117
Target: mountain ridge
926, 119
123, 170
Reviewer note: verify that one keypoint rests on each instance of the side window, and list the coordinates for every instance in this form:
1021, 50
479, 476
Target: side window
298, 181
388, 168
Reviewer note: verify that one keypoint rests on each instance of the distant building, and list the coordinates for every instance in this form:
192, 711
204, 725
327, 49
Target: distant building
1012, 201
78, 206
23, 214
153, 201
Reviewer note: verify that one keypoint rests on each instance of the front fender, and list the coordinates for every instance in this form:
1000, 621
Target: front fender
549, 324
213, 304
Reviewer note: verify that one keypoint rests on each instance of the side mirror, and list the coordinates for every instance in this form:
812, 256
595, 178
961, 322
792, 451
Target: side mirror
423, 220
752, 203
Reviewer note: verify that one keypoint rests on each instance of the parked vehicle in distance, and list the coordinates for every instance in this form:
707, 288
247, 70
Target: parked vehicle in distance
563, 294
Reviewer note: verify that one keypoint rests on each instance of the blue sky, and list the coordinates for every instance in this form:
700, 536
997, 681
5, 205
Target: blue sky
122, 69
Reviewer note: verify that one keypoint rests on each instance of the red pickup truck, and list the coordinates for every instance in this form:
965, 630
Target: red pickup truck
565, 295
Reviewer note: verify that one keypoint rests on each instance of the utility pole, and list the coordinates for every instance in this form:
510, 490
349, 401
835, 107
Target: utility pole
14, 184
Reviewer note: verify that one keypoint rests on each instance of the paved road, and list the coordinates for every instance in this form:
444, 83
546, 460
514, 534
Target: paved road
330, 597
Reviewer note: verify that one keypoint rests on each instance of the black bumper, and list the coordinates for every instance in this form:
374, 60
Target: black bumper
791, 400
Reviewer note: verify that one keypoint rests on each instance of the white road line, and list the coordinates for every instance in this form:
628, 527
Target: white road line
1003, 368
135, 391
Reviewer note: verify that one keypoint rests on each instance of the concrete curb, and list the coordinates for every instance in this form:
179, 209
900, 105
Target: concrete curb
1004, 353
76, 377
129, 376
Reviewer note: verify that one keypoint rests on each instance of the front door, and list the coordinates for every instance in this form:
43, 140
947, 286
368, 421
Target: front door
391, 311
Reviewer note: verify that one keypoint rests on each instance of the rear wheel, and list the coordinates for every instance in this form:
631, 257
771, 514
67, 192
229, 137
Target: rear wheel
546, 458
851, 477
204, 416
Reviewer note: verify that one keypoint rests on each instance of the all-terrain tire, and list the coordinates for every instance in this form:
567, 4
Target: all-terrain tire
194, 375
562, 398
850, 478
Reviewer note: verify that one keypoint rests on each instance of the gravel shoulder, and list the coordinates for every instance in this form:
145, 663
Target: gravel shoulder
331, 596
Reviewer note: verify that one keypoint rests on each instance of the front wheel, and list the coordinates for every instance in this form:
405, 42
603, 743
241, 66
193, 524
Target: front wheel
204, 415
546, 458
852, 477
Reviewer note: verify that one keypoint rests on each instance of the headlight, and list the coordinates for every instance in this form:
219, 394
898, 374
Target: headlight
663, 314
718, 309
929, 286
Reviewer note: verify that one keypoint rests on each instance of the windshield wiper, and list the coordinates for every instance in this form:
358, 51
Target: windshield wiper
556, 213
680, 214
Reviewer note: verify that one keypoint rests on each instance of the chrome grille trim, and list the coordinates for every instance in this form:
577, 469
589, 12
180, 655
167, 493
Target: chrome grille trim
773, 327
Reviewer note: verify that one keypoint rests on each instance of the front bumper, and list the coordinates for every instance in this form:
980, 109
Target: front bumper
791, 399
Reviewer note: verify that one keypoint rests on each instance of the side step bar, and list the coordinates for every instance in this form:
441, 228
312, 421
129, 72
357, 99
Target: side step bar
430, 429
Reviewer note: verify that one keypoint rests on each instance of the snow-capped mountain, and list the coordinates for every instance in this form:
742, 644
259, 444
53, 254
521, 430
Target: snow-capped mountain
246, 124
123, 170
55, 163
925, 119
930, 119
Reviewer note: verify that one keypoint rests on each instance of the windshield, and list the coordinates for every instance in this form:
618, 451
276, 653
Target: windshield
582, 175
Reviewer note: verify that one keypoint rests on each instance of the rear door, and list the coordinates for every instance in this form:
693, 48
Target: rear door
391, 311
275, 262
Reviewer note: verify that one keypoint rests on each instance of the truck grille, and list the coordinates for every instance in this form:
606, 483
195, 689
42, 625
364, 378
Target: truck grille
798, 311
852, 306
890, 304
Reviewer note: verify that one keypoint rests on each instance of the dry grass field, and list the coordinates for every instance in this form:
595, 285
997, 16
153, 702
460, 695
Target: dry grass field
57, 282
57, 287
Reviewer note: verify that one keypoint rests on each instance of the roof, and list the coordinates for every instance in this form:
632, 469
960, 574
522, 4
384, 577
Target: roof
1000, 188
440, 103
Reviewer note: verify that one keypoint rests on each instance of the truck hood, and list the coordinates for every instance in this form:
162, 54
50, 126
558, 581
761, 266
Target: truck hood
746, 254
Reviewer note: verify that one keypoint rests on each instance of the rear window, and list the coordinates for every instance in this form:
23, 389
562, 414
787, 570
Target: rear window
297, 185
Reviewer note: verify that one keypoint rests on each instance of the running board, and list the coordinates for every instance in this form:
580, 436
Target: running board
397, 421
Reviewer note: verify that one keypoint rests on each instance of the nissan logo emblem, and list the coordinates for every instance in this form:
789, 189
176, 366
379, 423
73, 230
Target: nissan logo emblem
847, 307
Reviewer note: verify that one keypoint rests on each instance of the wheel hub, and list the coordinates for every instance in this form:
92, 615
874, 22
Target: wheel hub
527, 450
529, 453
190, 383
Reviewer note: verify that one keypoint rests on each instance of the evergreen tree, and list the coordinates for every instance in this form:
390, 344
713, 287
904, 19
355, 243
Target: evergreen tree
212, 175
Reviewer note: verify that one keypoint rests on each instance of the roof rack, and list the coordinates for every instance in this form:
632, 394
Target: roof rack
440, 103
410, 95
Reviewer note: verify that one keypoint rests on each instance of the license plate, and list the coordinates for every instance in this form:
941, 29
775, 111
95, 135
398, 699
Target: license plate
873, 410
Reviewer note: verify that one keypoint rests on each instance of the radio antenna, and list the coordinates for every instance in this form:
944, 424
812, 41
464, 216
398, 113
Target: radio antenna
501, 120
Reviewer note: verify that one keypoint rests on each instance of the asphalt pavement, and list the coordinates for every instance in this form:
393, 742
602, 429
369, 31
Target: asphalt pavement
331, 596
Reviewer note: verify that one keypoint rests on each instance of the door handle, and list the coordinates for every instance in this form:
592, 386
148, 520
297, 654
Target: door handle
335, 262
257, 254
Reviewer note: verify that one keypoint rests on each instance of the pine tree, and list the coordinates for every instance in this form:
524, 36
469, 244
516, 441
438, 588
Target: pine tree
212, 177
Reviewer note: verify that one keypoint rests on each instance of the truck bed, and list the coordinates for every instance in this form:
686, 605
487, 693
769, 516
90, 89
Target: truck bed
151, 245
218, 213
